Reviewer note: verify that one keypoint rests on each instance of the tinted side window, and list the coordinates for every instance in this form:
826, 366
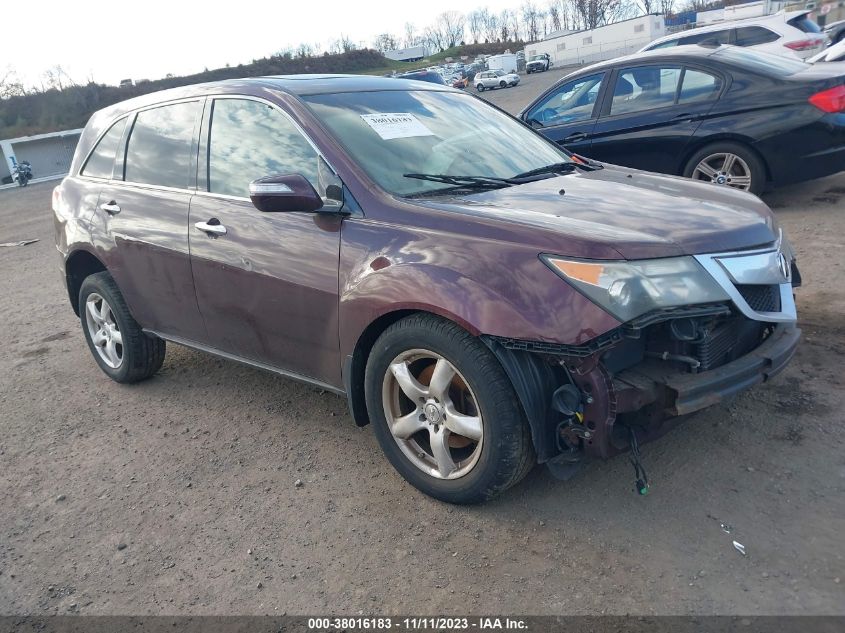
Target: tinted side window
250, 140
668, 44
101, 161
754, 35
571, 102
699, 86
159, 150
644, 88
718, 37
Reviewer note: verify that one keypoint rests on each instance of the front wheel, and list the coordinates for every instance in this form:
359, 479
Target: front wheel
728, 164
120, 347
503, 84
444, 412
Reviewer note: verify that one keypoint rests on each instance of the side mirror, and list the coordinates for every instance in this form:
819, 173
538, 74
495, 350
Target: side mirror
285, 192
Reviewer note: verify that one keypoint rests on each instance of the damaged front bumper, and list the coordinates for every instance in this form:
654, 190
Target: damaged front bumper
588, 400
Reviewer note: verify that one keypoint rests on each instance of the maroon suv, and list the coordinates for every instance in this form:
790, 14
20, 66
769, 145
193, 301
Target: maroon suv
487, 300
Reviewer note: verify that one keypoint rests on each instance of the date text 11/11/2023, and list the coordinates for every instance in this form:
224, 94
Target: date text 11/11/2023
428, 623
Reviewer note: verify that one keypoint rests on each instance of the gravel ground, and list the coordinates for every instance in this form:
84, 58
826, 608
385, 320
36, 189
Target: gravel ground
179, 495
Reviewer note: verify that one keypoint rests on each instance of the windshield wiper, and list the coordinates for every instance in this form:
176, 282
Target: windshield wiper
556, 168
466, 182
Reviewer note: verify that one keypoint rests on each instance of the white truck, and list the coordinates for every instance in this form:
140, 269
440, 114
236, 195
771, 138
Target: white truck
538, 63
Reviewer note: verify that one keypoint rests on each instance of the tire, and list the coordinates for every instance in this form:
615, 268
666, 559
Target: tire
503, 84
480, 87
503, 452
136, 356
748, 161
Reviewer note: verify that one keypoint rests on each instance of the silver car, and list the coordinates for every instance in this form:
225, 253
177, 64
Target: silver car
494, 79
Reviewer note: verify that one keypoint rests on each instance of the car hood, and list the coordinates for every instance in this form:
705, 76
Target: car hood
618, 212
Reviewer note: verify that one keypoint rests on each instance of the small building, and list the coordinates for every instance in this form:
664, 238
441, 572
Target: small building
599, 44
412, 54
49, 154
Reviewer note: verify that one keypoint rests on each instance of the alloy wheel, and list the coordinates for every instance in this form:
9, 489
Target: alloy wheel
103, 329
432, 414
724, 169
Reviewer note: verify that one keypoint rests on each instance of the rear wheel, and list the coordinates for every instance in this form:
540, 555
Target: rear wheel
728, 164
444, 412
480, 87
120, 347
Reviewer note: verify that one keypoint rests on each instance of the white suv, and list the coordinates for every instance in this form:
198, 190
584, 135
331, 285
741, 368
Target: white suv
784, 33
494, 79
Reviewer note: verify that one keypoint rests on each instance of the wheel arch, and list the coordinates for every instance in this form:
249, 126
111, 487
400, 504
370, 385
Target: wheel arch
79, 265
533, 380
722, 137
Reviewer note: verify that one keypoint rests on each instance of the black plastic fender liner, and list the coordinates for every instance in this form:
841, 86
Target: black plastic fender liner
534, 381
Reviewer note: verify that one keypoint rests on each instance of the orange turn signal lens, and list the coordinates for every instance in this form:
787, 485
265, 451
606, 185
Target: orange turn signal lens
587, 272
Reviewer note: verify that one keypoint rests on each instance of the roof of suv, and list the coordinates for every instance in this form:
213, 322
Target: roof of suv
293, 84
769, 21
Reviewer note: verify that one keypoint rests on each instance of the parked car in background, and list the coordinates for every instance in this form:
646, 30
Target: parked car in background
325, 228
720, 114
489, 79
835, 53
835, 31
538, 63
460, 82
785, 33
430, 76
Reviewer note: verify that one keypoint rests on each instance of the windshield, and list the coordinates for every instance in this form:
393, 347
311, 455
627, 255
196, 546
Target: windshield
393, 133
761, 62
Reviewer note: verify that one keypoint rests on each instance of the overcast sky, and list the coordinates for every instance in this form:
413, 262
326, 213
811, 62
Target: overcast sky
113, 40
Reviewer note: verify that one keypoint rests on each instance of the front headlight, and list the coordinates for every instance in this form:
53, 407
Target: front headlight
628, 289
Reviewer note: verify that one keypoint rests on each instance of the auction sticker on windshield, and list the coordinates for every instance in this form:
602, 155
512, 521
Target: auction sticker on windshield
390, 125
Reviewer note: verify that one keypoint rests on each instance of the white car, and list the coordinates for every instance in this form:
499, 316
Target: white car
835, 53
489, 79
792, 34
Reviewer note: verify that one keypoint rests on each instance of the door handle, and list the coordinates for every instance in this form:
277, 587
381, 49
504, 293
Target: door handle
211, 229
110, 207
578, 136
685, 117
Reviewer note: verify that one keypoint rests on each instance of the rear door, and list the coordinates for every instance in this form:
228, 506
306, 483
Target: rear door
144, 211
567, 113
651, 115
268, 286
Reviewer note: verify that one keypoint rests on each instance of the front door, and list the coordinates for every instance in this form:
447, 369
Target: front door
648, 119
267, 287
567, 113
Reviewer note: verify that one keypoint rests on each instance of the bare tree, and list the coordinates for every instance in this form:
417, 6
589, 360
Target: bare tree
305, 50
491, 25
57, 78
647, 6
385, 42
450, 28
11, 85
475, 23
554, 16
666, 7
590, 14
411, 37
530, 19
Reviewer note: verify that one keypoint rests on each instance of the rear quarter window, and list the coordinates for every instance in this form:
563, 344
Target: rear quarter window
804, 23
101, 161
754, 36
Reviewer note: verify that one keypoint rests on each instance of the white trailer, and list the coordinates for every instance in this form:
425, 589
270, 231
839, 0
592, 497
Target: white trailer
604, 42
412, 54
504, 61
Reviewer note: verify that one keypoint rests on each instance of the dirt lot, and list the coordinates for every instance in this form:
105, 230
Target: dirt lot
178, 495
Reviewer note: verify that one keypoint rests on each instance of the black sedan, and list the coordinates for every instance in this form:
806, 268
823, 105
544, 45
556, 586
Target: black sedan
723, 114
